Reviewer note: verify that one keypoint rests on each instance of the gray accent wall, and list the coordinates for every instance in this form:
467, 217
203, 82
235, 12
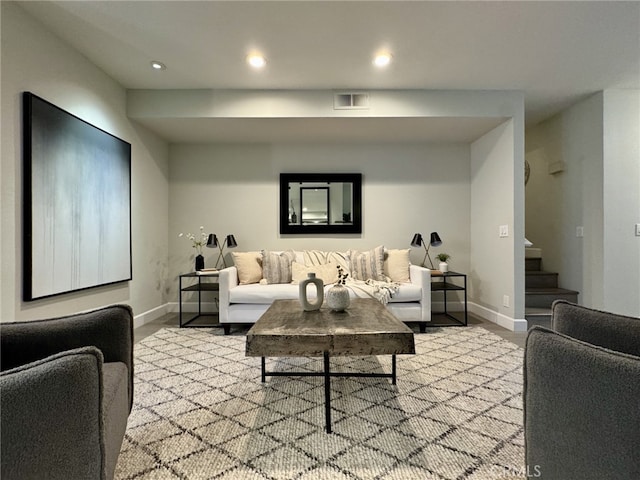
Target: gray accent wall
35, 60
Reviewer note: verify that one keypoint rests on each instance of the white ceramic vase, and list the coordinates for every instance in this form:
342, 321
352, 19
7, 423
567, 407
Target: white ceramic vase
443, 267
338, 298
302, 291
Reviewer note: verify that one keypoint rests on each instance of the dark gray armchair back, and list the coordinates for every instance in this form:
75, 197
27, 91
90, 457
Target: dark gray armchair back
110, 329
582, 396
605, 329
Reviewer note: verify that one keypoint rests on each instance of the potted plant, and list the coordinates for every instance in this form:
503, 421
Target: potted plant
444, 266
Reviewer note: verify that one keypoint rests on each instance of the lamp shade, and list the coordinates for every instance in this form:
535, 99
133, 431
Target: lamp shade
435, 240
231, 241
212, 241
417, 240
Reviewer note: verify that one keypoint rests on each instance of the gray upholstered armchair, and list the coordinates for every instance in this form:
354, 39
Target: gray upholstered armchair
582, 396
66, 391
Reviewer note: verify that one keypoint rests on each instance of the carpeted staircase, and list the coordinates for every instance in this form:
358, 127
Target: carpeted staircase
541, 289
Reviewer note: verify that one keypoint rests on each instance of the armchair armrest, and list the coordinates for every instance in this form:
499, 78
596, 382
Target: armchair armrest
110, 329
422, 277
52, 418
227, 279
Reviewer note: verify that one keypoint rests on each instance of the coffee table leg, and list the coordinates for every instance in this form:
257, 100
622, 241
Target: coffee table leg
327, 392
393, 369
263, 370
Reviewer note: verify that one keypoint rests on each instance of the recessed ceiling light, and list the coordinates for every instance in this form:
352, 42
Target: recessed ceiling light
158, 65
256, 60
382, 59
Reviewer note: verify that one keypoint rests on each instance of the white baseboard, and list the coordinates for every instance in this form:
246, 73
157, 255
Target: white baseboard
513, 324
149, 315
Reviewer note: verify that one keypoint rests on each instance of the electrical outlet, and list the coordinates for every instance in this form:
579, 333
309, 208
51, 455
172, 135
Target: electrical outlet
505, 301
579, 232
504, 231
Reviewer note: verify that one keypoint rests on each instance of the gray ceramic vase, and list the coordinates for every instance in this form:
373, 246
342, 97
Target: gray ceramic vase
338, 298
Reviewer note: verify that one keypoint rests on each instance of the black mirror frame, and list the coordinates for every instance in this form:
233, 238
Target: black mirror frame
354, 178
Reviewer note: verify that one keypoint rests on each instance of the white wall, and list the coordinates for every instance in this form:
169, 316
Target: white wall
234, 189
597, 139
558, 203
497, 264
621, 201
35, 60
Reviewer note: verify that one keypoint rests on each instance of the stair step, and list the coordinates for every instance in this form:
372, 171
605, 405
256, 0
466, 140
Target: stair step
538, 316
543, 297
539, 279
532, 264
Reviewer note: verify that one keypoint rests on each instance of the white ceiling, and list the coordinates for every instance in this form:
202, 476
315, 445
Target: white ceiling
555, 52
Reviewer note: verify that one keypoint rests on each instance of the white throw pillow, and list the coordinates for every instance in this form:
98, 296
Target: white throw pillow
249, 265
328, 272
368, 265
396, 265
276, 267
319, 257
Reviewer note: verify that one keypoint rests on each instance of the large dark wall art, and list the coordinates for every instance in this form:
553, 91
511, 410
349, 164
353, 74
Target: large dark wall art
77, 203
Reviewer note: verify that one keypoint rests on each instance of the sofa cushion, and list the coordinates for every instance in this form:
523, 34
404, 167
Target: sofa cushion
276, 267
256, 293
328, 272
265, 294
319, 257
249, 266
368, 265
396, 265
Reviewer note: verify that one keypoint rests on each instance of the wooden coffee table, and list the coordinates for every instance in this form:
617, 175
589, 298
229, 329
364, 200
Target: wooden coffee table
365, 328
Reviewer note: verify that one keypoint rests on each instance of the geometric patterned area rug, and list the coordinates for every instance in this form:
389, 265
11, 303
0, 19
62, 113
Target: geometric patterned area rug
201, 412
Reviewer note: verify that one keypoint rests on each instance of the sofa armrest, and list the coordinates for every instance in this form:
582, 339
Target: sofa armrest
581, 406
227, 279
110, 329
52, 418
608, 330
421, 277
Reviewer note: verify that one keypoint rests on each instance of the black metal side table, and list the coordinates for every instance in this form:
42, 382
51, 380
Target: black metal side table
447, 285
205, 283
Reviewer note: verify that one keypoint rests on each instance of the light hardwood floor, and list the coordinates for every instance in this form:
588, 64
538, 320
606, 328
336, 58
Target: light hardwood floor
171, 320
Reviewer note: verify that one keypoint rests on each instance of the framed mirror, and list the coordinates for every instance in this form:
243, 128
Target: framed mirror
320, 203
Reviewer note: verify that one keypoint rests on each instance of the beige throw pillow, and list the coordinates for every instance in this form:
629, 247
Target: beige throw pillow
328, 272
249, 265
396, 265
368, 265
276, 267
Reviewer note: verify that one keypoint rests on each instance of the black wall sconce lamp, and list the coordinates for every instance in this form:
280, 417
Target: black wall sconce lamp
229, 242
434, 241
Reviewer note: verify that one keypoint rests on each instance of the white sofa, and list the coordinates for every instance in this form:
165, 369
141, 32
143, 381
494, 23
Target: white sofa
241, 304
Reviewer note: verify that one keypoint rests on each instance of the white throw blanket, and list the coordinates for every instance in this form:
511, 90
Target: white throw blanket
381, 291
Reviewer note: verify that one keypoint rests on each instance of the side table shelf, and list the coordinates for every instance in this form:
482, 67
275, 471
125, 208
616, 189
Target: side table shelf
205, 283
447, 285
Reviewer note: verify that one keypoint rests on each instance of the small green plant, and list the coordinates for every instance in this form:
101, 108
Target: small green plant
443, 257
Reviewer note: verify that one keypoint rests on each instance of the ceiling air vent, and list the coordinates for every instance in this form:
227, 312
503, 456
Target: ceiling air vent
350, 101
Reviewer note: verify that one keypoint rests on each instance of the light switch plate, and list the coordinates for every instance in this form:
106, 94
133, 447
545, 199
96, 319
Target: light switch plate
637, 229
579, 232
504, 231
